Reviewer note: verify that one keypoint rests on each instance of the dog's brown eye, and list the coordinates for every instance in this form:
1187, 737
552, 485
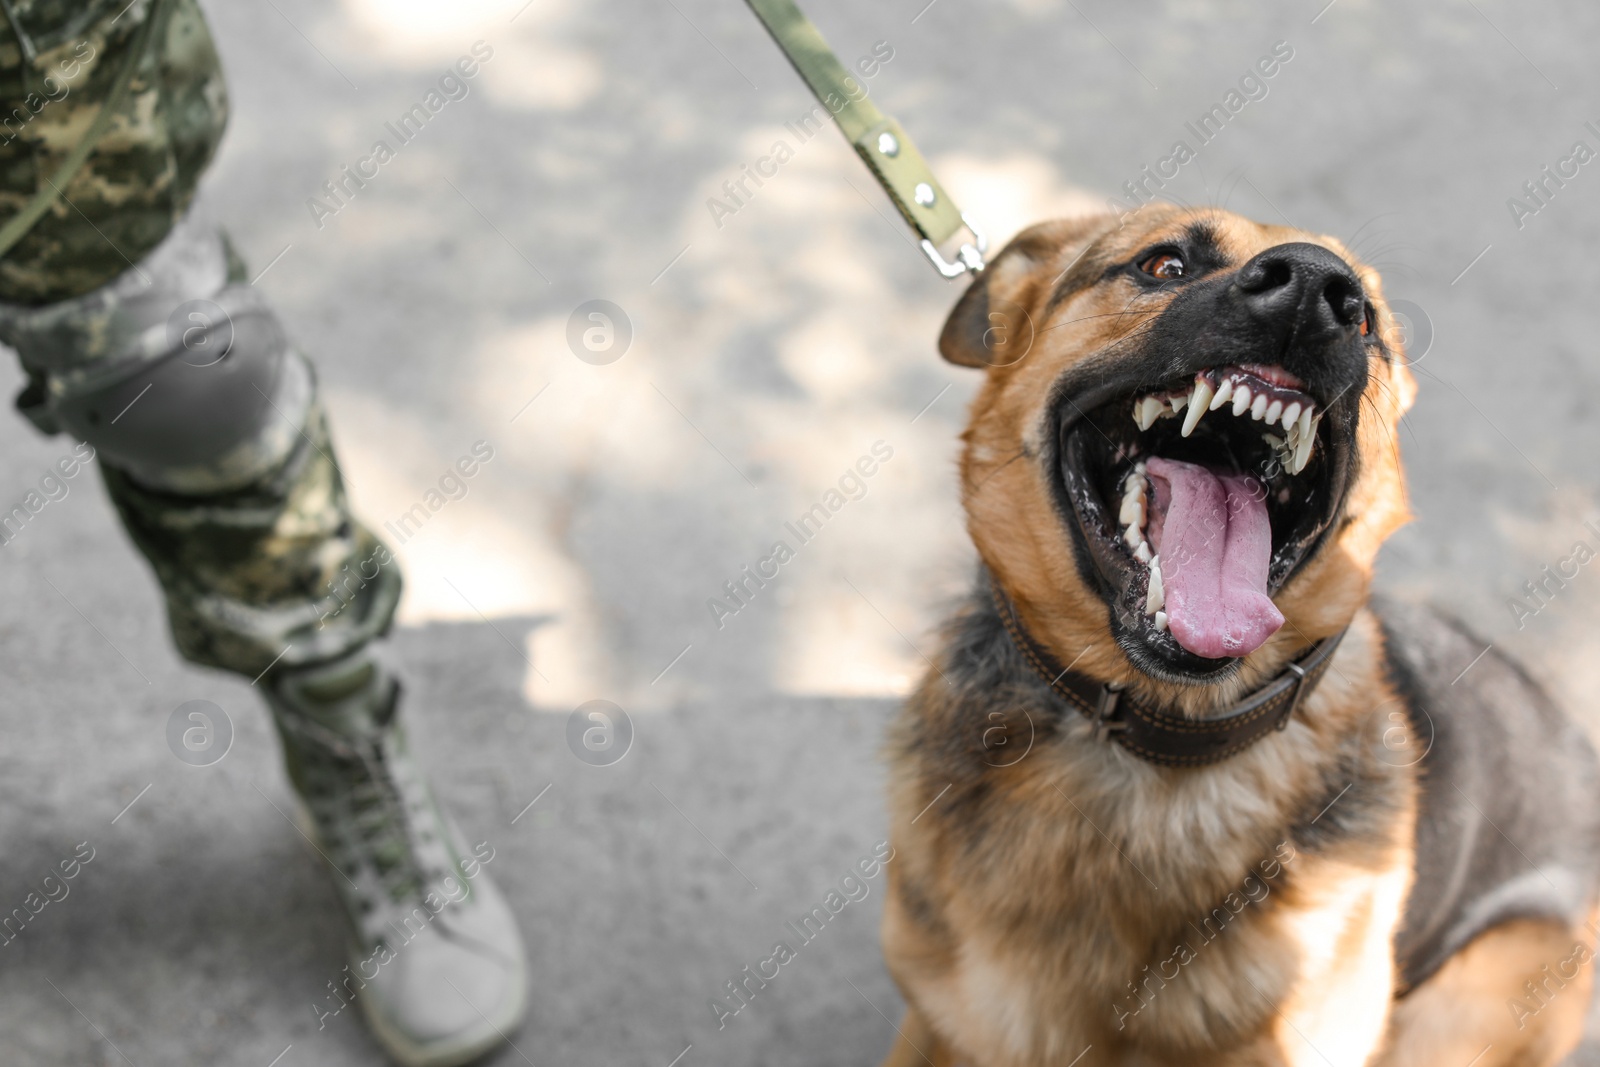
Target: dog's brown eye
1368, 315
1163, 265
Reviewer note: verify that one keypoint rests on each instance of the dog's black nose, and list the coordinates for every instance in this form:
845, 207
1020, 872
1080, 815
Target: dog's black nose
1302, 292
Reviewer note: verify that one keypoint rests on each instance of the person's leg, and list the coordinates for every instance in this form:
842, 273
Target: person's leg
217, 455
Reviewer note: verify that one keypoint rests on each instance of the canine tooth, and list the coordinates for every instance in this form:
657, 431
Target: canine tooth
1241, 399
1302, 453
1197, 410
1201, 404
1305, 422
1274, 409
1142, 553
1154, 598
1161, 620
1259, 407
1290, 415
1224, 394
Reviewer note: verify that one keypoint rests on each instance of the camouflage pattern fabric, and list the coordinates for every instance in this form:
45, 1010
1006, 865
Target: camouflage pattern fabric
279, 569
142, 174
91, 358
259, 568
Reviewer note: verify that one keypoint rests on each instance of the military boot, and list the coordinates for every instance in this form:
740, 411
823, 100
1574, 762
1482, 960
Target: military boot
436, 959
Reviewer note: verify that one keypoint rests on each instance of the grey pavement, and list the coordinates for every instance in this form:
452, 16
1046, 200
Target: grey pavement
767, 354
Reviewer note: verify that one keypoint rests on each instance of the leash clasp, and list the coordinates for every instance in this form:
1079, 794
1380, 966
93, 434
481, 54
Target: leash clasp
1110, 696
969, 257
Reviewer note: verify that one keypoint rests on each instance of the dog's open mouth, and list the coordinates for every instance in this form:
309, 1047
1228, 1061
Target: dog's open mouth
1196, 500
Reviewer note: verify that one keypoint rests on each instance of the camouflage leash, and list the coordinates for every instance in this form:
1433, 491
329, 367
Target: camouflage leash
19, 225
877, 138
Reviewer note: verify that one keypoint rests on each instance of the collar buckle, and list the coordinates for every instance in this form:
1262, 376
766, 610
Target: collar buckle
1104, 723
1293, 705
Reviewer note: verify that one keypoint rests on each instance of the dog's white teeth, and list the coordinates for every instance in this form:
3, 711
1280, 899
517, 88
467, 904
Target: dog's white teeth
1282, 449
1302, 451
1161, 620
1132, 513
1293, 448
1199, 404
1290, 415
1155, 597
1142, 553
1299, 458
1224, 394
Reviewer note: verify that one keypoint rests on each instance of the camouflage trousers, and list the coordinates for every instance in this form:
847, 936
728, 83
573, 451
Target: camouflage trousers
140, 336
216, 453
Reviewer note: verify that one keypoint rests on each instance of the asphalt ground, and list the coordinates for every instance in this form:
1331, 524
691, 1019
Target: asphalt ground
769, 349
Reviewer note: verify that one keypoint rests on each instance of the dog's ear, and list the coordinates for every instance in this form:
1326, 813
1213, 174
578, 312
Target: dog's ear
991, 325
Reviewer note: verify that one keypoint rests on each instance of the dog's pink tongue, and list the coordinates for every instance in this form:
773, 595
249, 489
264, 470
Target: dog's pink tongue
1215, 544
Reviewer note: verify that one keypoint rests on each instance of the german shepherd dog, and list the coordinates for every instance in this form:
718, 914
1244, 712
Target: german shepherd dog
1176, 791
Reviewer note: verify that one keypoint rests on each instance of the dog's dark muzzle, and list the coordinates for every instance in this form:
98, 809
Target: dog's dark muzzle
1297, 306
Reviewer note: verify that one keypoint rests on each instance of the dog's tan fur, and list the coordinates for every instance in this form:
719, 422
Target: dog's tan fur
1025, 941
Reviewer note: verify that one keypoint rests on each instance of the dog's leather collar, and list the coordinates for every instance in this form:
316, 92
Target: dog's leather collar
1171, 740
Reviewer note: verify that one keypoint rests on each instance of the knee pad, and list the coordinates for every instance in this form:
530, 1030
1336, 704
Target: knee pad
177, 372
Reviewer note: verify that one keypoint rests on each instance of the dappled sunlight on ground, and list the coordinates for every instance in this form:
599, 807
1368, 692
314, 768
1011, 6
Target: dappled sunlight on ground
783, 344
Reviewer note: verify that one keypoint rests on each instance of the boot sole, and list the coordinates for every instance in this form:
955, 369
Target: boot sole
457, 1051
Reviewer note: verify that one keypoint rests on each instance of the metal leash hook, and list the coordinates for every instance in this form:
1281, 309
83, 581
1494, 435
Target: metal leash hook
969, 257
883, 146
